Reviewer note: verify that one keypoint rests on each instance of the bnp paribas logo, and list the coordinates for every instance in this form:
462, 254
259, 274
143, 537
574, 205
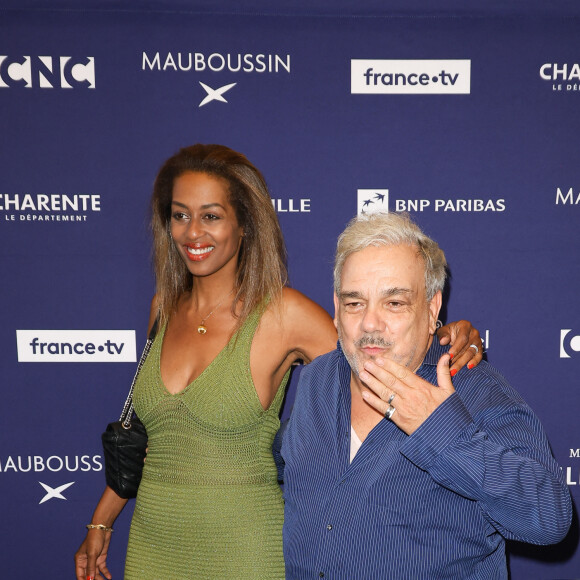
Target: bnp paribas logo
372, 200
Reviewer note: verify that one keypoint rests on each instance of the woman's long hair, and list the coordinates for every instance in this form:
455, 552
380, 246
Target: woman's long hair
261, 270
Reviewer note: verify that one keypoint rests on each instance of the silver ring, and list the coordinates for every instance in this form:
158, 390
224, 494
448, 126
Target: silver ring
475, 347
391, 399
390, 412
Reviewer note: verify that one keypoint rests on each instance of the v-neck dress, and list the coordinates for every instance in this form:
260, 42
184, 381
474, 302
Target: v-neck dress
209, 504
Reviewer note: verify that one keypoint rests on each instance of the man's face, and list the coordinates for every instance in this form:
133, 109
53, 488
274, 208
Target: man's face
382, 309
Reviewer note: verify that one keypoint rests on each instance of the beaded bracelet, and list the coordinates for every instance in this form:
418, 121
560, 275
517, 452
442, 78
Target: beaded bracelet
99, 527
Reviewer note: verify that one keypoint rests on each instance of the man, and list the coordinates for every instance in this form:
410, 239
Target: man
392, 470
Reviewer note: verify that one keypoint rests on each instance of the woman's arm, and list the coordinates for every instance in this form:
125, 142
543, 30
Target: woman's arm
309, 328
91, 557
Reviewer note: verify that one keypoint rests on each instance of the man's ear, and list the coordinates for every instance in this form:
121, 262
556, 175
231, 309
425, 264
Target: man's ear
434, 308
336, 308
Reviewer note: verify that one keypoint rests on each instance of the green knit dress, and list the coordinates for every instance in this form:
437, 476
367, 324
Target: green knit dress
209, 505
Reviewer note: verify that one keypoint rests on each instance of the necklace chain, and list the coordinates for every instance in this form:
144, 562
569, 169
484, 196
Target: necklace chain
202, 329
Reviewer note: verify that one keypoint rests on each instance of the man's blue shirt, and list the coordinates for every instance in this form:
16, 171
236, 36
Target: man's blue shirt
436, 504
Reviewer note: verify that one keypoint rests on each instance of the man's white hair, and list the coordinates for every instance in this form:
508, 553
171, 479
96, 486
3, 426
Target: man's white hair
391, 229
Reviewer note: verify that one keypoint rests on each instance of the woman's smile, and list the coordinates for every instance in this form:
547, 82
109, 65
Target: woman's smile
204, 226
198, 252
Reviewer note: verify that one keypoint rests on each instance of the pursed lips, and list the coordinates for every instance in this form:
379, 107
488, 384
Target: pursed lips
373, 350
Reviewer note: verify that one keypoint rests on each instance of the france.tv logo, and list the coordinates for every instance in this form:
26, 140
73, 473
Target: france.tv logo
76, 346
410, 77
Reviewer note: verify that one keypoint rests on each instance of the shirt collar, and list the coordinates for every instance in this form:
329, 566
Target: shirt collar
343, 365
434, 353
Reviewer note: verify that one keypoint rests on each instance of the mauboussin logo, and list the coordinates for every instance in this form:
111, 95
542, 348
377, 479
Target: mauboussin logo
76, 345
569, 197
215, 62
42, 467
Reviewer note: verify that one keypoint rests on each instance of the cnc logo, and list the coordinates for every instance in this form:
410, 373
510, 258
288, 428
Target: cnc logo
76, 345
372, 200
410, 77
569, 343
568, 198
47, 72
564, 77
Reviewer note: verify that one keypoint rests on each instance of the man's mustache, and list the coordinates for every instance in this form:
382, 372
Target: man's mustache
370, 340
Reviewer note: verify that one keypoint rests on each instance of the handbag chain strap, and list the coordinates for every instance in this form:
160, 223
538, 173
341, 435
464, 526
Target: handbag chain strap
127, 413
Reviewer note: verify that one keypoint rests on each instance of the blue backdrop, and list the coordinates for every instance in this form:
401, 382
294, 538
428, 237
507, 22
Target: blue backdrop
467, 116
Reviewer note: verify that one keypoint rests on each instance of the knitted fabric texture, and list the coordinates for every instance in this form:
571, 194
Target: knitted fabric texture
209, 505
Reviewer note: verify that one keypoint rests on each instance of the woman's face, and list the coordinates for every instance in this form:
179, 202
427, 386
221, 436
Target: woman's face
204, 226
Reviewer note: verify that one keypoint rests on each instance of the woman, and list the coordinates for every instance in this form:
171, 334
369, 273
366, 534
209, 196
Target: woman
210, 392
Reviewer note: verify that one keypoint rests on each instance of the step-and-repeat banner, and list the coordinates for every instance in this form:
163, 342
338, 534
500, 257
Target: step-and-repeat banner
470, 122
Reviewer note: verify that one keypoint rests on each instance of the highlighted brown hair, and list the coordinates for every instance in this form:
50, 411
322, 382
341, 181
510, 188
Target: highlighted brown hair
261, 270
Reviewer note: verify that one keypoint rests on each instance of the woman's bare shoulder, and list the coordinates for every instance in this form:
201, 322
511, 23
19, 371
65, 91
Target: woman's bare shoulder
296, 302
308, 324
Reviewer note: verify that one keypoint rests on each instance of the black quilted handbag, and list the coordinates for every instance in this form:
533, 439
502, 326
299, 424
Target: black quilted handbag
125, 441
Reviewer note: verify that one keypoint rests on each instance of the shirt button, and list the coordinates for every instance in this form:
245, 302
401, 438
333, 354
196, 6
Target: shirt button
329, 527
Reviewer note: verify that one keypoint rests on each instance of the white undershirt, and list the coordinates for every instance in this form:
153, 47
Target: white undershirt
355, 443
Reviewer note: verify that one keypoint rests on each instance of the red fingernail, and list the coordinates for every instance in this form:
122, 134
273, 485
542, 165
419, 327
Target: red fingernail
470, 365
451, 355
453, 372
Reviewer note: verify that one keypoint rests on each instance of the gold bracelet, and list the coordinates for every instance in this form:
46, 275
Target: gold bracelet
99, 527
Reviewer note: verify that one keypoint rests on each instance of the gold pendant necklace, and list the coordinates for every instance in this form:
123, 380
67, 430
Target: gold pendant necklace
202, 328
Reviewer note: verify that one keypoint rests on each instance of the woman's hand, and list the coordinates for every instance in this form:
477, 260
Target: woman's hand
91, 557
466, 346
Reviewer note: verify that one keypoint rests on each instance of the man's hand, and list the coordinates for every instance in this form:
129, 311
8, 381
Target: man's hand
393, 386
